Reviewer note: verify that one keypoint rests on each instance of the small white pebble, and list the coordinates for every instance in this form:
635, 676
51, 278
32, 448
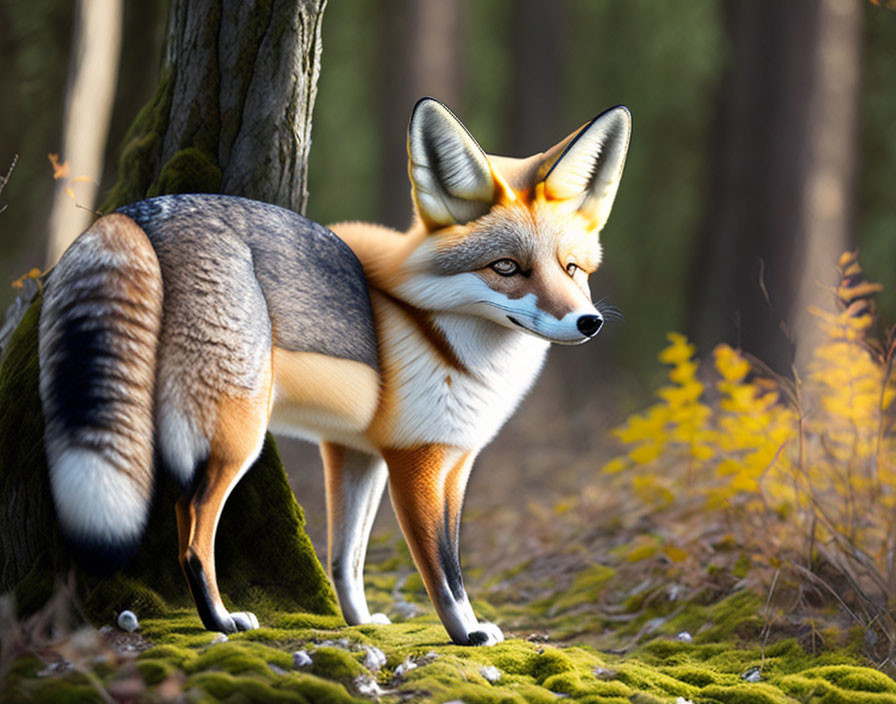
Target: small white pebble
58, 667
685, 637
219, 638
405, 667
491, 673
374, 658
127, 621
367, 686
682, 700
752, 675
301, 658
276, 669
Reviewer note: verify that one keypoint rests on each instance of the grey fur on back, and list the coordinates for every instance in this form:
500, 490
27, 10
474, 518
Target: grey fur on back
312, 283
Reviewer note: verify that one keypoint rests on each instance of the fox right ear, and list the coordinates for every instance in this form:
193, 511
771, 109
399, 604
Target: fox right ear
589, 166
451, 178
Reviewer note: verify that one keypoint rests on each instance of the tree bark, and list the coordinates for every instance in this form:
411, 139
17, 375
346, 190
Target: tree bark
232, 113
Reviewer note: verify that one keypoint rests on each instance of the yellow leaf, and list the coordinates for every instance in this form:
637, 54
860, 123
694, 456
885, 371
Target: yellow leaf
615, 465
646, 453
34, 273
642, 552
675, 554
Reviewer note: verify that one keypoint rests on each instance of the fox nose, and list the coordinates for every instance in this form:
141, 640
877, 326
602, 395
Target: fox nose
588, 325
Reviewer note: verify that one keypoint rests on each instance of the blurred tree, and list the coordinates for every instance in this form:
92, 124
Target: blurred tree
419, 56
779, 116
93, 70
35, 50
35, 42
538, 65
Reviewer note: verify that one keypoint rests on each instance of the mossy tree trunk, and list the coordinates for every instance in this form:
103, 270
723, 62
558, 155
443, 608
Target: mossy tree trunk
231, 114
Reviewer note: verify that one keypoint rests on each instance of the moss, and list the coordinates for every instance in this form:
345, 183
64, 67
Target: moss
640, 677
693, 675
52, 690
840, 683
190, 170
549, 663
255, 571
586, 588
745, 693
179, 657
335, 664
154, 671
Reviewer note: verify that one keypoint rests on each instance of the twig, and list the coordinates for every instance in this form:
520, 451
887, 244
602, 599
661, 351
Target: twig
5, 179
833, 591
767, 626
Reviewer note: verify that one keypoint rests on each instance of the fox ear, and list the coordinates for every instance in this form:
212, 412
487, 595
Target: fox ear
451, 178
590, 165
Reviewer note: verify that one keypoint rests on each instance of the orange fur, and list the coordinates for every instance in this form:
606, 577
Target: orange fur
425, 483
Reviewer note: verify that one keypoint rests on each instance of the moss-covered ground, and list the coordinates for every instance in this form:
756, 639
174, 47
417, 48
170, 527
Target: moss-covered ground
697, 650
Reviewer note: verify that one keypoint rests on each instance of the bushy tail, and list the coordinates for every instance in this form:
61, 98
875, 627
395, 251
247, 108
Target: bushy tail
99, 330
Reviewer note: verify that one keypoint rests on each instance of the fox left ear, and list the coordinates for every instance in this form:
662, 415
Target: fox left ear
590, 165
451, 178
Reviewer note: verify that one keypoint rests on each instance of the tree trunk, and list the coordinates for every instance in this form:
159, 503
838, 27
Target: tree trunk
828, 197
232, 113
746, 276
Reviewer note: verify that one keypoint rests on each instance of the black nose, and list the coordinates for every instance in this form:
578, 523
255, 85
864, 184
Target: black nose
588, 325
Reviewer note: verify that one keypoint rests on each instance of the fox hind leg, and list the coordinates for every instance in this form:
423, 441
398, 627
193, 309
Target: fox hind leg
354, 484
236, 445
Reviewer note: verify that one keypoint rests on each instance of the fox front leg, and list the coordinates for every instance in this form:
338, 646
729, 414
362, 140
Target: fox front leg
427, 489
354, 485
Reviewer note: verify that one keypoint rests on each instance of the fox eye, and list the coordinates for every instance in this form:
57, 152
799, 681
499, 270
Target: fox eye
505, 267
571, 269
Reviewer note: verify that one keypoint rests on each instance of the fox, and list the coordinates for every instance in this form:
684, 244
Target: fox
176, 331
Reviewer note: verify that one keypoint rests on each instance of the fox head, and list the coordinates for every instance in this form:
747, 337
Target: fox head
511, 240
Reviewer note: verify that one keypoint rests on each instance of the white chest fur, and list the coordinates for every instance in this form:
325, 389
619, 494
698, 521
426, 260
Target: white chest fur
439, 403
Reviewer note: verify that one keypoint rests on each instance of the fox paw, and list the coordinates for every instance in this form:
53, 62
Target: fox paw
486, 634
243, 621
380, 618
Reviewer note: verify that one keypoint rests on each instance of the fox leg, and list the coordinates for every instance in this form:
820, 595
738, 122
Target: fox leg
237, 443
427, 486
354, 482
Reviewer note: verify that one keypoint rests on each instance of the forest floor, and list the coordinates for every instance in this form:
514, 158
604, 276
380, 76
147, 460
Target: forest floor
592, 611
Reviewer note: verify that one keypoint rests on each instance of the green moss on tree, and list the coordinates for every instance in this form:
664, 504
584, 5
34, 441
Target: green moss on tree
266, 562
190, 170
